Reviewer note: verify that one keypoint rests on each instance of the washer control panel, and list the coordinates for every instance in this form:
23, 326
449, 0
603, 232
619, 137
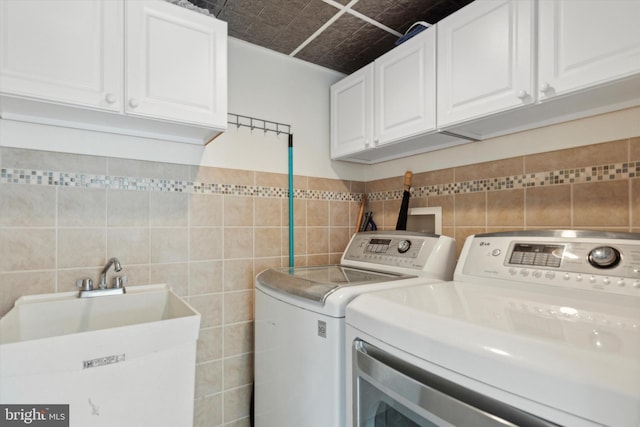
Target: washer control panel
390, 247
397, 249
588, 260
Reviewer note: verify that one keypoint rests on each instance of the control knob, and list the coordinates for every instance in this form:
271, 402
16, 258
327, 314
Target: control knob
404, 245
604, 257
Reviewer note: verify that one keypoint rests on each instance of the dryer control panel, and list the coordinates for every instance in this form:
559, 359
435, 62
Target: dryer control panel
578, 259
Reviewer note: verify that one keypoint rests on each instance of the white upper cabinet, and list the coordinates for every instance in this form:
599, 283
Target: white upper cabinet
492, 80
485, 60
64, 51
405, 89
352, 113
175, 66
387, 109
157, 69
586, 43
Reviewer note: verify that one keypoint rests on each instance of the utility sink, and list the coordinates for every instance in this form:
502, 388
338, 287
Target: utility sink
125, 360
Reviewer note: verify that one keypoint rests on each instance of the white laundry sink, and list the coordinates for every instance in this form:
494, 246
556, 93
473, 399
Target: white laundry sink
126, 360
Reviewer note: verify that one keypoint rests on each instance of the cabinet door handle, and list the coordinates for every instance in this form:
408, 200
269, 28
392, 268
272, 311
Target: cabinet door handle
133, 103
110, 98
522, 94
546, 88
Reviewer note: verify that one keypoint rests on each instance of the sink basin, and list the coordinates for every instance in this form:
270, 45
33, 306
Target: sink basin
116, 360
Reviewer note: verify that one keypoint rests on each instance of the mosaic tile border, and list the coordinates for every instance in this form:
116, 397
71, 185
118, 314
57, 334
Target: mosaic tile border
609, 172
612, 172
80, 180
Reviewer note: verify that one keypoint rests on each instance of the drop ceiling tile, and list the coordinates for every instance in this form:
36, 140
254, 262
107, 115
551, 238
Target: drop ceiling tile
401, 14
315, 14
295, 5
262, 34
347, 45
376, 9
277, 16
275, 24
238, 24
213, 6
432, 11
245, 7
304, 25
342, 29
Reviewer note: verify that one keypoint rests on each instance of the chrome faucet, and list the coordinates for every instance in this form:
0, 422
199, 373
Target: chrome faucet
86, 285
103, 276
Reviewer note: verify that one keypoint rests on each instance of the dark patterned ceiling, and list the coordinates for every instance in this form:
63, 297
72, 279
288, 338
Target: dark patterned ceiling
343, 35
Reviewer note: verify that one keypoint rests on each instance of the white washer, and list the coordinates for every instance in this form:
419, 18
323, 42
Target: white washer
537, 328
299, 322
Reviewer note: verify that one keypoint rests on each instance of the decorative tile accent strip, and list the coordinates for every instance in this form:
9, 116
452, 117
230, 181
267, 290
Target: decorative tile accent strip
612, 172
62, 179
567, 176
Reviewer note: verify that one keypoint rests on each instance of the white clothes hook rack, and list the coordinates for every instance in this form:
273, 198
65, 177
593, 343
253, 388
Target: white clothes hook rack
269, 126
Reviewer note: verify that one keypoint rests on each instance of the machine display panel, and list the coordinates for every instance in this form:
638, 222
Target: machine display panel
537, 255
378, 245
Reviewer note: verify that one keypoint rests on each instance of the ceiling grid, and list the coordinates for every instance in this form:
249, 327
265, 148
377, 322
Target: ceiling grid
343, 35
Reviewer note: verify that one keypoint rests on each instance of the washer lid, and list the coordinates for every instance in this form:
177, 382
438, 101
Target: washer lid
317, 283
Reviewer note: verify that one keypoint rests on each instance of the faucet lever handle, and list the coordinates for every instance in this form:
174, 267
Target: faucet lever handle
85, 284
119, 282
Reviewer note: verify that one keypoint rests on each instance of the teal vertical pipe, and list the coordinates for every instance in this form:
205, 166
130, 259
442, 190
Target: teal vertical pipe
291, 201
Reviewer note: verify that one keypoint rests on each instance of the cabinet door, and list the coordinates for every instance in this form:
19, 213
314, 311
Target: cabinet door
63, 51
585, 43
485, 59
176, 64
405, 89
352, 113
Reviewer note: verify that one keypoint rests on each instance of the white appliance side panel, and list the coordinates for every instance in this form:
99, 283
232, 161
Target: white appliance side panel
299, 374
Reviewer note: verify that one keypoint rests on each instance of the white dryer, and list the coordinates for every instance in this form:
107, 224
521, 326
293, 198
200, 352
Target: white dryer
299, 322
538, 328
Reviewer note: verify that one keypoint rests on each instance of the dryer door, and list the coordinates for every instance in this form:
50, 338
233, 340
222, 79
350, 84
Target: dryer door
389, 392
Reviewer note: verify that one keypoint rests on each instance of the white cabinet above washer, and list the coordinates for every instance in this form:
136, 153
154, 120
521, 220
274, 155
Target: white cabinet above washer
114, 66
352, 113
485, 59
587, 43
387, 109
405, 90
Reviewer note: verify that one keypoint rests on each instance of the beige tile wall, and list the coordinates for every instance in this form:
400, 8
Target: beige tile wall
207, 246
210, 246
607, 200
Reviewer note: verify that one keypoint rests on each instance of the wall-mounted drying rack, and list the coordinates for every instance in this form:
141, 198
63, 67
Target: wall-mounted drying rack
254, 123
